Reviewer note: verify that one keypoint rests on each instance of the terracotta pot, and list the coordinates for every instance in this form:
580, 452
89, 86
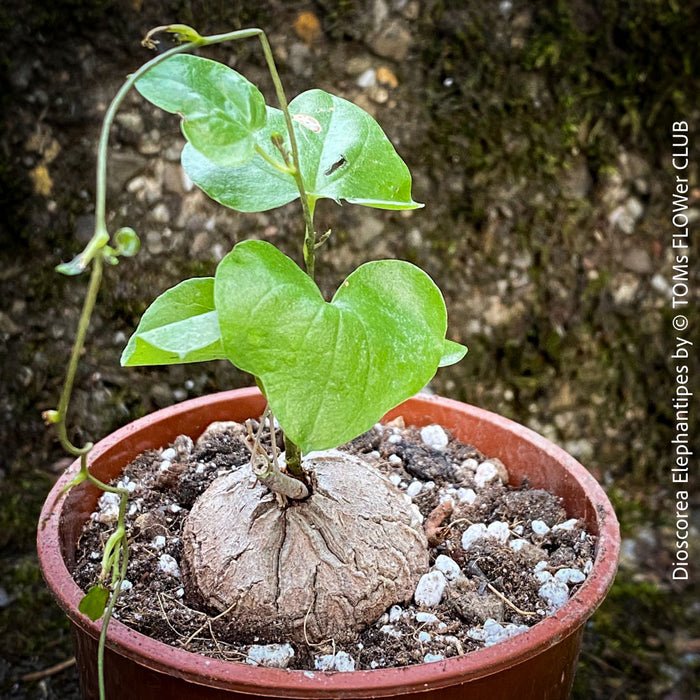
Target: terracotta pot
536, 665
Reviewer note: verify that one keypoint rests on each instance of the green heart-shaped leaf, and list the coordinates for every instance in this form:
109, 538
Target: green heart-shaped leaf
347, 155
330, 370
181, 325
344, 154
221, 110
254, 186
94, 602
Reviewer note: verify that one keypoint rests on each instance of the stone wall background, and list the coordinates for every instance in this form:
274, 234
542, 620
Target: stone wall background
539, 137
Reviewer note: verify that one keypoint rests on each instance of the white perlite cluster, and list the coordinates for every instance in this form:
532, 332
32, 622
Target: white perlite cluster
270, 655
425, 626
449, 567
320, 568
554, 588
107, 508
497, 530
168, 565
555, 594
431, 588
488, 472
539, 527
492, 632
340, 661
470, 472
434, 436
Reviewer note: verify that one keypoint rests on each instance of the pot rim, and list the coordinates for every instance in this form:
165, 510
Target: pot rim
246, 678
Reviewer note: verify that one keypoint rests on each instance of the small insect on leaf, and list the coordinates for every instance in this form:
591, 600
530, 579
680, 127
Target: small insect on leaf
94, 602
338, 164
308, 122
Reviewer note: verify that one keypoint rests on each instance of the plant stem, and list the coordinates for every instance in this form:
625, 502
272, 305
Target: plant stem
278, 166
116, 590
101, 186
83, 324
95, 248
293, 458
267, 469
308, 205
118, 577
307, 202
270, 475
310, 237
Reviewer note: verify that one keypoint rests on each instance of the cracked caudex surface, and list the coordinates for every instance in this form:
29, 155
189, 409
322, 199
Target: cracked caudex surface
316, 569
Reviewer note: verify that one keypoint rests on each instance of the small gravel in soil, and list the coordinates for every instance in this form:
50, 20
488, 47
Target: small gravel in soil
502, 557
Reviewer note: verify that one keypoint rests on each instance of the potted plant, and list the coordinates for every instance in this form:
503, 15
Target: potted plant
326, 372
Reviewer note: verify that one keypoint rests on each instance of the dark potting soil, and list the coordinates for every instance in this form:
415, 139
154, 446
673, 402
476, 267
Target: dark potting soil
502, 558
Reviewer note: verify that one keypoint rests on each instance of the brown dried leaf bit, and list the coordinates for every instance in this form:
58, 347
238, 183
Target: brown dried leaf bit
433, 523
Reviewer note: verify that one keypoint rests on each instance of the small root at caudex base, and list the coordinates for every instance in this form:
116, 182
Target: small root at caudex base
433, 529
